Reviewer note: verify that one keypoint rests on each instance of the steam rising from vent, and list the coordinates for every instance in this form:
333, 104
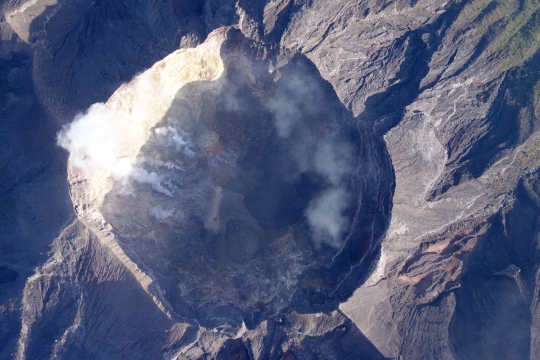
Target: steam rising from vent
289, 110
330, 157
325, 215
162, 214
104, 143
97, 144
178, 138
333, 161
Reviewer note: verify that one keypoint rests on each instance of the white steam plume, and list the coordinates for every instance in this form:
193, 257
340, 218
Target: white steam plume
325, 215
96, 143
331, 156
162, 214
332, 161
177, 137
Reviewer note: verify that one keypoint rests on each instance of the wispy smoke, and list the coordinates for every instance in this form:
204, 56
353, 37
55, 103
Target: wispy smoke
162, 214
325, 215
293, 104
151, 178
177, 137
287, 116
333, 161
96, 143
296, 109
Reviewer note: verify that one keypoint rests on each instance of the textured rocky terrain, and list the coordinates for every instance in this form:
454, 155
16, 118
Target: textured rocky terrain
272, 179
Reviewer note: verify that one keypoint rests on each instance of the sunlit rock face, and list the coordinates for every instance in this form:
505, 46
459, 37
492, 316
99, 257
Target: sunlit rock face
242, 188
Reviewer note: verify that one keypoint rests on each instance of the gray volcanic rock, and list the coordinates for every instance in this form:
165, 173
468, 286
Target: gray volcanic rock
429, 112
79, 320
85, 49
34, 199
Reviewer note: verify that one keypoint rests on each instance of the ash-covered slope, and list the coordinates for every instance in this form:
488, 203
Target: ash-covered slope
438, 97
